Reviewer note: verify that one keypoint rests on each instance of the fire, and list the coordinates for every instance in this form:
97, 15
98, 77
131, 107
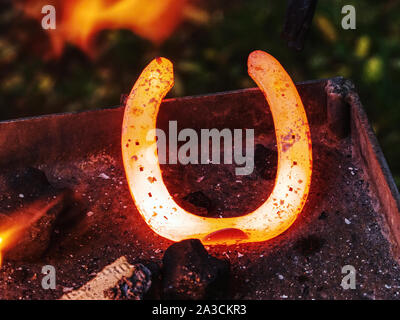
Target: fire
155, 204
13, 228
6, 238
1, 255
78, 21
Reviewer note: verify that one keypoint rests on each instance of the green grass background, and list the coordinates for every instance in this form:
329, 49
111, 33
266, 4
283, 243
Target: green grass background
209, 54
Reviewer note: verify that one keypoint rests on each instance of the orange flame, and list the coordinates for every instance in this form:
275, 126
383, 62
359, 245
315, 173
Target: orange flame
12, 228
77, 21
155, 204
5, 240
1, 255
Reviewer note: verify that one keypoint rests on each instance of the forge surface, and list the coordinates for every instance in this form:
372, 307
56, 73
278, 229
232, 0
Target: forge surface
343, 222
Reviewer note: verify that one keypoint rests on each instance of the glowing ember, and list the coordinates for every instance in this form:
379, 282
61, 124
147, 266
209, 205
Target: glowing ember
155, 204
13, 228
4, 237
1, 255
78, 21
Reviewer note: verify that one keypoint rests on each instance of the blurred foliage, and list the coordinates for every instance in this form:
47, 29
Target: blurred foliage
209, 51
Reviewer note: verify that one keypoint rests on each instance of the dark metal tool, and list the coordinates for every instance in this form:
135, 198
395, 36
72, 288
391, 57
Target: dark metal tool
298, 19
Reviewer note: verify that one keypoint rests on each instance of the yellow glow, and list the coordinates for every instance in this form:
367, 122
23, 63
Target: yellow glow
13, 228
3, 241
3, 238
1, 255
155, 204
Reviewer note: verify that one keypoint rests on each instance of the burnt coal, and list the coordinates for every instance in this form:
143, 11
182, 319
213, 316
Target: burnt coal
30, 207
190, 273
34, 240
134, 287
155, 291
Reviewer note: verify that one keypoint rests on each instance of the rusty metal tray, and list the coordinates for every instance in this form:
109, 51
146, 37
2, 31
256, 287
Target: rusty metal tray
351, 217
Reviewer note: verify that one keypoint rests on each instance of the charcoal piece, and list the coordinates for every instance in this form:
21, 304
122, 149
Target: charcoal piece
134, 287
30, 207
33, 239
155, 291
190, 273
298, 19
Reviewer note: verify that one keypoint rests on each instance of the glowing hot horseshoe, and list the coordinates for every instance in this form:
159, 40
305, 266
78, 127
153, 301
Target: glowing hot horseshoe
155, 204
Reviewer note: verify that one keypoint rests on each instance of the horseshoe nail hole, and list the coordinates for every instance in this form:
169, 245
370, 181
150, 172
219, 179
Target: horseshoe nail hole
227, 235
